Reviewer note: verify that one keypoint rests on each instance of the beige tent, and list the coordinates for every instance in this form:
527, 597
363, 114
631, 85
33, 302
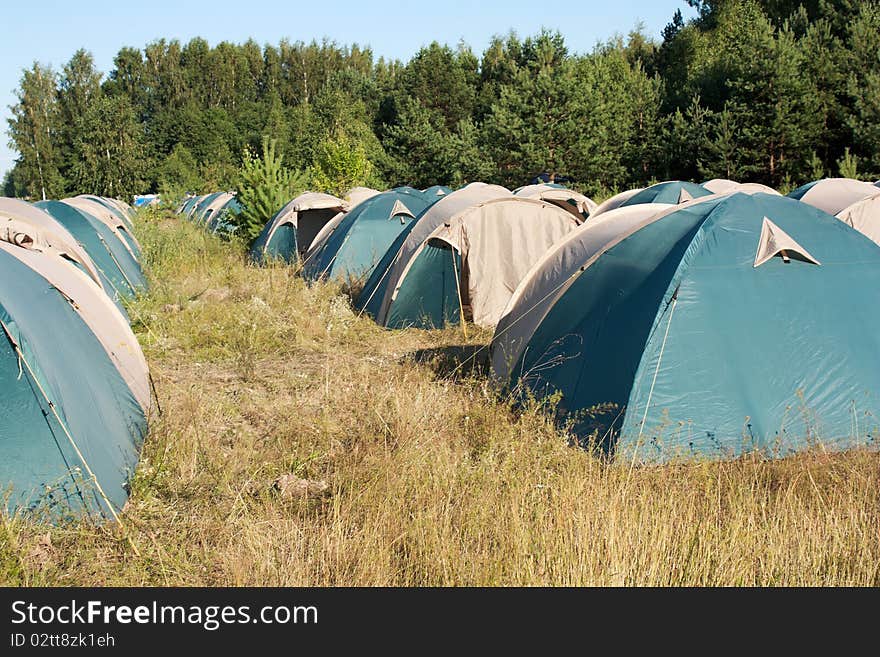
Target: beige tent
109, 218
121, 206
725, 186
308, 213
29, 227
441, 212
498, 241
579, 205
833, 195
550, 276
357, 195
100, 314
864, 216
614, 202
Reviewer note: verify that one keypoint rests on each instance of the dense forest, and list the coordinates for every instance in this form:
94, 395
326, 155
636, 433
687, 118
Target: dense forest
774, 91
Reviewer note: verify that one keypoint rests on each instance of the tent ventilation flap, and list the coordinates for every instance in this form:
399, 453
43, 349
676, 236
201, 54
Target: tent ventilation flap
400, 210
776, 242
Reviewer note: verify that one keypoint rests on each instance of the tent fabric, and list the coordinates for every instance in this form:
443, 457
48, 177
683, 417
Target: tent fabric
864, 216
317, 206
437, 190
833, 195
111, 219
199, 212
104, 247
363, 235
113, 205
614, 202
219, 221
213, 207
498, 241
66, 359
673, 191
725, 186
579, 205
670, 344
357, 195
550, 277
375, 297
774, 242
100, 314
27, 226
353, 197
720, 185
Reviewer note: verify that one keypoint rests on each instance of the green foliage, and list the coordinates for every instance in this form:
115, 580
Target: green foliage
109, 157
34, 133
848, 165
178, 174
8, 184
265, 185
772, 91
340, 164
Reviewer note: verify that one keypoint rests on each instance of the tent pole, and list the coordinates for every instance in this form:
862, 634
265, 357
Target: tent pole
458, 293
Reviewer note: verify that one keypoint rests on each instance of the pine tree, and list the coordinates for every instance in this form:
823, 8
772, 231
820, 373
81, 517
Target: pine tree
265, 185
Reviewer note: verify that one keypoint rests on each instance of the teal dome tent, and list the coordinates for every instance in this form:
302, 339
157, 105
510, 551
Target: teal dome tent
75, 390
108, 252
365, 234
733, 324
289, 234
674, 191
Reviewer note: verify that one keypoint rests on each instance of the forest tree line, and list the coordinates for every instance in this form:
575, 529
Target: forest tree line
772, 91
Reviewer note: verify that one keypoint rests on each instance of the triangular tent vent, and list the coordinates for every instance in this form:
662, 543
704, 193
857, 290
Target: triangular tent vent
440, 192
400, 210
684, 195
776, 242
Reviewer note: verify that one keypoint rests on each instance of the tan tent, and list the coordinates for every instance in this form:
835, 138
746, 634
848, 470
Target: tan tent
833, 195
113, 205
614, 202
103, 214
378, 296
579, 205
725, 186
549, 277
29, 227
864, 216
307, 214
357, 195
490, 247
98, 312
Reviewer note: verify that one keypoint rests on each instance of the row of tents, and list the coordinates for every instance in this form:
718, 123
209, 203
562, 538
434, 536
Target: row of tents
75, 383
681, 319
212, 211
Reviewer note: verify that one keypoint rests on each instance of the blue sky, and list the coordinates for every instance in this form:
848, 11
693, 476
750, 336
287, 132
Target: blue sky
52, 33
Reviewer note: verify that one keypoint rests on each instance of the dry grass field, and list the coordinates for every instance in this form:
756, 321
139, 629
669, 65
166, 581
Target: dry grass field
302, 445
